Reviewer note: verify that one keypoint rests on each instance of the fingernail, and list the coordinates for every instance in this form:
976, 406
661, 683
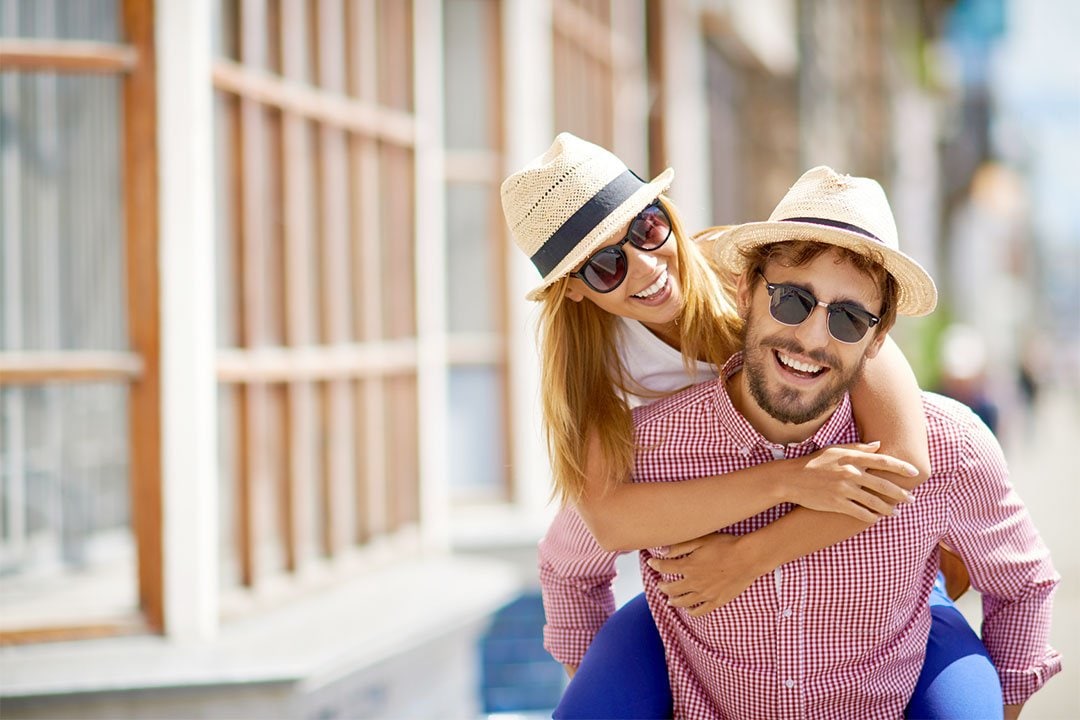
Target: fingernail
663, 550
912, 470
875, 443
910, 498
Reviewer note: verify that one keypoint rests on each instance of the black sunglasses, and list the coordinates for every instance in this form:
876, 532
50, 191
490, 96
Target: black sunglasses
791, 305
606, 268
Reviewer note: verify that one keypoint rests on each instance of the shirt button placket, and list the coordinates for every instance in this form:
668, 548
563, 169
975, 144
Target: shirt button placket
789, 632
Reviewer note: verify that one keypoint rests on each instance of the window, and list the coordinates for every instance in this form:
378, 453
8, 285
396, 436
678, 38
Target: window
318, 358
78, 368
475, 253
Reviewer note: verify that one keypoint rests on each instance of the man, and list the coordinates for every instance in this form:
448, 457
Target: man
841, 632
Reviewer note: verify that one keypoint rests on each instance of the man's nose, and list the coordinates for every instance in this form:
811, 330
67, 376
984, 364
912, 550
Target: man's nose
813, 332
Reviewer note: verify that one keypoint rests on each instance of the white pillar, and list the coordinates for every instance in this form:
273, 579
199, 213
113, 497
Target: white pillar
430, 221
686, 126
529, 109
189, 386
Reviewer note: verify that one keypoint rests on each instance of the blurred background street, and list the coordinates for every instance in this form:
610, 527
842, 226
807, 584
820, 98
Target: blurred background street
269, 425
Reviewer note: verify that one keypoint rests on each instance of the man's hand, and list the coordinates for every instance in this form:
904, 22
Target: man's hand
713, 569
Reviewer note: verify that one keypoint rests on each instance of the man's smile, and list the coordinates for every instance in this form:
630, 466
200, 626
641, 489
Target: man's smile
799, 368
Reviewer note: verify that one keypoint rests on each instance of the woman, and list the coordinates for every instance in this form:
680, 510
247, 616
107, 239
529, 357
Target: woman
631, 311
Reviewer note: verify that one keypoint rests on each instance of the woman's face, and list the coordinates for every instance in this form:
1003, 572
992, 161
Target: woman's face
651, 292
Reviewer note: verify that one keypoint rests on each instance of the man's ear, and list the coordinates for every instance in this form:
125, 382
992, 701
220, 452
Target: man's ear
742, 295
875, 345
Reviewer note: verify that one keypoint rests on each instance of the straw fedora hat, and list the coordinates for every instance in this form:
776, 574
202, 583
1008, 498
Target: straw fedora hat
571, 200
851, 212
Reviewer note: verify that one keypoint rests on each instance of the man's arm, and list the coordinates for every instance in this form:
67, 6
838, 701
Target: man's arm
990, 528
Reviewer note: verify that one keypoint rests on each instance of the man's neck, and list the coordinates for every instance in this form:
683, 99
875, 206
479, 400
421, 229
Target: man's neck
771, 429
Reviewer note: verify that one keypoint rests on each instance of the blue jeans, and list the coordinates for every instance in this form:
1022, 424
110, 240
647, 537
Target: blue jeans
624, 674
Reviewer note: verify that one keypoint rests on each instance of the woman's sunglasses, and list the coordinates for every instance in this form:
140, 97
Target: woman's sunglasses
791, 305
606, 268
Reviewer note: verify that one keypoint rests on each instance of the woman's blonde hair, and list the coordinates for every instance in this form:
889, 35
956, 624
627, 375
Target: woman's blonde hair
584, 384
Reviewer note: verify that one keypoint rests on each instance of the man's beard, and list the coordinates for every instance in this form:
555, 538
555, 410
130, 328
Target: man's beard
787, 404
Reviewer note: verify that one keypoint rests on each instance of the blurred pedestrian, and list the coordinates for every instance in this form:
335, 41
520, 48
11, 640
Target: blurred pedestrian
963, 372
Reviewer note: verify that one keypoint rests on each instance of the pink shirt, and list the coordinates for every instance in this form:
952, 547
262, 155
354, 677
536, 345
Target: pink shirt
841, 632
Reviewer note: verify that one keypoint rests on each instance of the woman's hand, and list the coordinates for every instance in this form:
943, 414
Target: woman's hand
713, 569
835, 479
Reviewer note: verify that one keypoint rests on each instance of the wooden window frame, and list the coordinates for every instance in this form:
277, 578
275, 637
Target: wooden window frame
134, 63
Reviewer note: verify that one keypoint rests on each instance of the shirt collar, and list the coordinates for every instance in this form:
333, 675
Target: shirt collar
744, 434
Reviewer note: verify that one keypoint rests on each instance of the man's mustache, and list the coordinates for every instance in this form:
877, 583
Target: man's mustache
788, 345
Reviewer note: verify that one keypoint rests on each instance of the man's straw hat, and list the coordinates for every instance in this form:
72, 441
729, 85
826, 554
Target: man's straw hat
570, 201
850, 212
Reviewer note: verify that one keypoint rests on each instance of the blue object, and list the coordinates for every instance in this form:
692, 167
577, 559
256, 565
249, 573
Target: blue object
624, 673
517, 673
958, 680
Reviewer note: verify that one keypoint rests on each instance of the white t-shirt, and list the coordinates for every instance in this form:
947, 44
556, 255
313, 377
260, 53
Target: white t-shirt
654, 364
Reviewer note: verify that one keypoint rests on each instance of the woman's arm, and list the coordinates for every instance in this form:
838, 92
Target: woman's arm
628, 516
888, 407
887, 404
717, 567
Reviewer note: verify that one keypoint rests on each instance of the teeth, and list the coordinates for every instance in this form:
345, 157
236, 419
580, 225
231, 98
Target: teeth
654, 288
800, 366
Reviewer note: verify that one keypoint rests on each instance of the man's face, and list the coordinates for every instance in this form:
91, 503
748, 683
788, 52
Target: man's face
799, 373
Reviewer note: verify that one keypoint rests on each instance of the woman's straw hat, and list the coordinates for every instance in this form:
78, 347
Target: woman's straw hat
571, 200
851, 212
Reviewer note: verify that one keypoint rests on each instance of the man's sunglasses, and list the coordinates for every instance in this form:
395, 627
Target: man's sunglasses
606, 268
791, 305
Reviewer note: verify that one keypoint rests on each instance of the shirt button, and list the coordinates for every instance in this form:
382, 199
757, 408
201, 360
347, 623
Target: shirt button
787, 612
789, 684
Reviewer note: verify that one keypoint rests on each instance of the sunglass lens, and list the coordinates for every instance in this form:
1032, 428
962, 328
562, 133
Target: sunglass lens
606, 269
847, 326
789, 305
650, 229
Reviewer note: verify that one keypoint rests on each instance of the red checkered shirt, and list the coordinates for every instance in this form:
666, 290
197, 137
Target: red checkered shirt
841, 632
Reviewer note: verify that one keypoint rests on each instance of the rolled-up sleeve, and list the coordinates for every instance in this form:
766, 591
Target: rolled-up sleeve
575, 580
1009, 564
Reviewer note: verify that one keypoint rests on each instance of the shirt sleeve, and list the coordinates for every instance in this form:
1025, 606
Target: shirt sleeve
575, 580
1009, 564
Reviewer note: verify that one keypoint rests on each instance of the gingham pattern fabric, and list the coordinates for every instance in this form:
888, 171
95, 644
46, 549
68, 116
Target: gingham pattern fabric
842, 632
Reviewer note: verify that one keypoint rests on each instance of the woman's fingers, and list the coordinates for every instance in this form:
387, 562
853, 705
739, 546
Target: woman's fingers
683, 601
859, 512
888, 490
890, 464
684, 548
675, 588
876, 505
